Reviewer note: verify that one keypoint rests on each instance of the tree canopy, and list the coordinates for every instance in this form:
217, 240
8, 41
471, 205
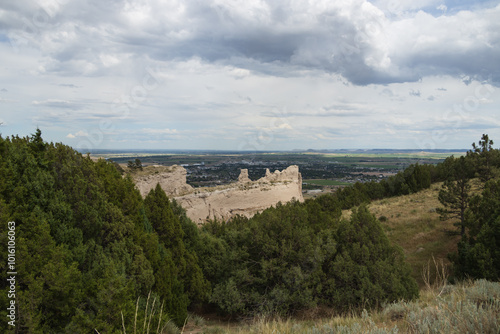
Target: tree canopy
87, 244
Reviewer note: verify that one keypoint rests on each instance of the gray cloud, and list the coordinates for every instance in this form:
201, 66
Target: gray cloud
69, 85
319, 71
415, 93
354, 39
58, 104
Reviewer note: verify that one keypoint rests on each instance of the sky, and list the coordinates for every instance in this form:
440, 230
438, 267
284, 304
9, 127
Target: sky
253, 75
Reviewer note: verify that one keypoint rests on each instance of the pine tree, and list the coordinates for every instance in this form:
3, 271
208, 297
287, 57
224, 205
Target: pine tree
485, 158
184, 282
479, 253
165, 223
455, 194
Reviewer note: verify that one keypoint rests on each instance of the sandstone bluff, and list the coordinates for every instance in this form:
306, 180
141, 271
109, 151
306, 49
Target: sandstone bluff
244, 197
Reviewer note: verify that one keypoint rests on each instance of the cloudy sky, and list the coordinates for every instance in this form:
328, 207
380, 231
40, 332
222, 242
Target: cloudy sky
251, 74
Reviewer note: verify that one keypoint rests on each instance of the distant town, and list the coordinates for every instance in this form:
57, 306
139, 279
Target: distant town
321, 171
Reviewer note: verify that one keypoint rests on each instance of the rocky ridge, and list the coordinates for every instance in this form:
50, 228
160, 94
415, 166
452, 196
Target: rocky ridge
244, 197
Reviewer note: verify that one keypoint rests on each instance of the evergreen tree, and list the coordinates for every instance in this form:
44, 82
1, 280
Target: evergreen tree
179, 277
486, 158
297, 256
367, 269
455, 194
135, 165
85, 248
479, 253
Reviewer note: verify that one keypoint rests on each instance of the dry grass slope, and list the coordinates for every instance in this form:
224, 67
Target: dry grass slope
469, 307
412, 223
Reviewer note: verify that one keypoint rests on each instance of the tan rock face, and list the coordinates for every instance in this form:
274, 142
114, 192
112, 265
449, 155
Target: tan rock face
246, 197
171, 179
243, 178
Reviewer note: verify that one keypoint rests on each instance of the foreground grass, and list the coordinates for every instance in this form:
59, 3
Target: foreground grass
470, 307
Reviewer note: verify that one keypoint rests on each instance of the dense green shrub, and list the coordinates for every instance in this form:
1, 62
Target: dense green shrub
297, 256
411, 180
87, 245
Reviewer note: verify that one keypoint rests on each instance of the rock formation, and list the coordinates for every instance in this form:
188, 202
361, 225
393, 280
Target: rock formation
172, 179
245, 197
243, 178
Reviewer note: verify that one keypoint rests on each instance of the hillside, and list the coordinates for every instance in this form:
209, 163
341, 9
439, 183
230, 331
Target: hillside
411, 222
80, 231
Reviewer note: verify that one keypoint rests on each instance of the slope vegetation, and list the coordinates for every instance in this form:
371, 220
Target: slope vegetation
411, 221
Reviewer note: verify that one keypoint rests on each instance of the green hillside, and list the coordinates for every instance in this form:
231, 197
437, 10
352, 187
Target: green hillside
86, 253
411, 221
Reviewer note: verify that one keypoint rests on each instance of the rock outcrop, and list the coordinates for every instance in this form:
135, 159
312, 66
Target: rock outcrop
172, 180
245, 197
243, 178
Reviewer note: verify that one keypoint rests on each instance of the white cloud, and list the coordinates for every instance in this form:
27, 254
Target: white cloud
158, 131
285, 126
55, 103
442, 8
239, 73
81, 133
230, 69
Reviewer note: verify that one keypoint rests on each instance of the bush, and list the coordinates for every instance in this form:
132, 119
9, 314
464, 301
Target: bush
297, 256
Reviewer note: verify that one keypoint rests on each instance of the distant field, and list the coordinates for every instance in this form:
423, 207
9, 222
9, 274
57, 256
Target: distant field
344, 157
326, 182
312, 165
396, 155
